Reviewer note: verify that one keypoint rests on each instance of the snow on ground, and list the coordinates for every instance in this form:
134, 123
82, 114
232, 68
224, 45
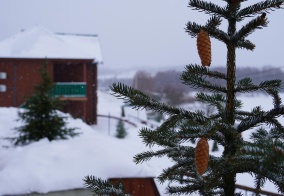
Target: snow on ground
59, 165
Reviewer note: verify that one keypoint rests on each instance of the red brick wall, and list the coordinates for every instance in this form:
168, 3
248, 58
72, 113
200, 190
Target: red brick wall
137, 186
92, 93
7, 98
68, 72
23, 74
76, 108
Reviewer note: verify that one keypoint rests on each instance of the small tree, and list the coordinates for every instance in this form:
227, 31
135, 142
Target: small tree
120, 129
40, 115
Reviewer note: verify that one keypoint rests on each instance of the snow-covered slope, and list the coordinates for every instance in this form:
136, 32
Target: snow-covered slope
59, 165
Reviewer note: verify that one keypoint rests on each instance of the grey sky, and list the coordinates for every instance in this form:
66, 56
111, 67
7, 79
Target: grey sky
139, 33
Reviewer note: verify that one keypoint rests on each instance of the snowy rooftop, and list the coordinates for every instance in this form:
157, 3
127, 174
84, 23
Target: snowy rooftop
38, 42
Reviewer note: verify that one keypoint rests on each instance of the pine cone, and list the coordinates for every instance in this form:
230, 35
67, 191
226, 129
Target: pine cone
201, 155
204, 47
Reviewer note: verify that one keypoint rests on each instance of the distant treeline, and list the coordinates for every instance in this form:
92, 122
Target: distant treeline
167, 84
173, 77
106, 82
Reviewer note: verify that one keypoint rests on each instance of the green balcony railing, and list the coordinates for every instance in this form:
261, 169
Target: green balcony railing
70, 89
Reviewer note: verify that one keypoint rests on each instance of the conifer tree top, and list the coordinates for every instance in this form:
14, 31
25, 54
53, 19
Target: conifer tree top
262, 155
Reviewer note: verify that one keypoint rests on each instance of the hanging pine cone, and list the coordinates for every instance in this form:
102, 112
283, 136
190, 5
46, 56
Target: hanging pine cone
201, 155
204, 47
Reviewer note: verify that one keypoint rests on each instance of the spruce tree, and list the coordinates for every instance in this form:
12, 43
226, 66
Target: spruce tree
40, 115
194, 168
120, 129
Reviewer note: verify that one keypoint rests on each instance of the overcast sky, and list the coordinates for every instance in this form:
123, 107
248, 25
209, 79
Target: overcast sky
140, 33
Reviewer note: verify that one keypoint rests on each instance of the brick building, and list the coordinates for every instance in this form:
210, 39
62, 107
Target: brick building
72, 65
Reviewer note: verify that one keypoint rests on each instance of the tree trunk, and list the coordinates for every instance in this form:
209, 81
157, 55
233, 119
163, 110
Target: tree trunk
229, 179
229, 184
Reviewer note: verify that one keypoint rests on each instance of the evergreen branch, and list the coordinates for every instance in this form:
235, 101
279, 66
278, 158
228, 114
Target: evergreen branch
254, 166
241, 115
200, 83
277, 124
259, 117
163, 135
203, 71
213, 22
219, 35
189, 132
211, 130
264, 6
197, 81
259, 157
103, 187
146, 156
215, 99
182, 154
259, 165
276, 98
139, 100
271, 85
148, 139
218, 137
208, 8
259, 182
246, 44
193, 29
170, 151
254, 150
194, 187
260, 135
256, 117
179, 169
278, 147
277, 133
250, 27
246, 85
206, 185
181, 178
229, 1
187, 190
246, 163
277, 179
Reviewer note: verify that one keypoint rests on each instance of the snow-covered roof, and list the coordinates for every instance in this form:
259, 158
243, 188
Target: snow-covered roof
38, 42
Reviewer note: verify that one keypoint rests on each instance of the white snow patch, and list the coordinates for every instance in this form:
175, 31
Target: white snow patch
59, 165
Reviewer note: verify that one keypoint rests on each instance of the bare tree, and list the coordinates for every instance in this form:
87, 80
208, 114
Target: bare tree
144, 82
